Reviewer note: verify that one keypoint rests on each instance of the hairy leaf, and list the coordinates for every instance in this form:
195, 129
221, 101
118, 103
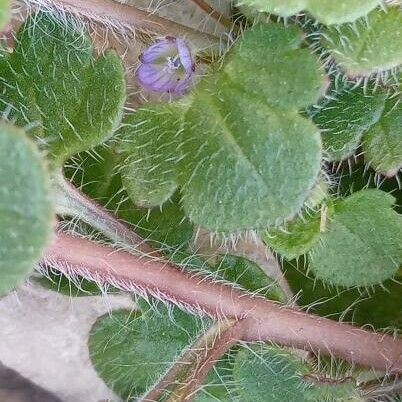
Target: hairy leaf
361, 245
25, 210
382, 143
148, 140
380, 307
244, 158
344, 117
326, 11
53, 83
296, 238
166, 227
248, 275
372, 44
263, 372
131, 351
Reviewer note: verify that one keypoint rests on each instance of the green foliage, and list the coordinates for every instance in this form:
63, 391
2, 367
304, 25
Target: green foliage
326, 11
371, 45
248, 275
4, 12
26, 218
131, 350
53, 84
297, 237
244, 157
242, 151
166, 227
380, 307
148, 172
344, 116
361, 243
382, 143
263, 372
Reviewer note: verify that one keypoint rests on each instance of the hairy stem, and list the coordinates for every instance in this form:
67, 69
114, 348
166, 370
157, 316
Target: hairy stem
216, 15
266, 320
219, 344
72, 202
131, 16
185, 368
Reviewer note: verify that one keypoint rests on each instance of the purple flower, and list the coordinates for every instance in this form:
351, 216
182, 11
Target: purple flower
166, 66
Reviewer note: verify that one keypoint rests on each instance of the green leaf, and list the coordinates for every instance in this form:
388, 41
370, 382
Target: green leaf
297, 237
244, 159
130, 351
361, 246
278, 7
263, 372
382, 143
379, 307
218, 384
248, 275
326, 11
4, 12
148, 144
344, 117
371, 45
54, 83
26, 215
270, 63
252, 167
331, 12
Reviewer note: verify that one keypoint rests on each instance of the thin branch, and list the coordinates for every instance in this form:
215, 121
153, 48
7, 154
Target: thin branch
72, 202
215, 14
124, 14
220, 344
186, 364
266, 320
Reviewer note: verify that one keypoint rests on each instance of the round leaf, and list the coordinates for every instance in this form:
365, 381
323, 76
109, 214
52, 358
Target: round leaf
361, 246
25, 210
370, 45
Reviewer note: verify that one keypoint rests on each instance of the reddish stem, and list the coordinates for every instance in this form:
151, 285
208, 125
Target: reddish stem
216, 15
134, 17
266, 320
195, 362
71, 201
220, 345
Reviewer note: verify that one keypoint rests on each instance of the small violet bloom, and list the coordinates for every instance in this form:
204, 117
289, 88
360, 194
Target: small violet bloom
166, 66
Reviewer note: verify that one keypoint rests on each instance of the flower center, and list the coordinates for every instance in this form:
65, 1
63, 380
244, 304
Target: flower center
173, 63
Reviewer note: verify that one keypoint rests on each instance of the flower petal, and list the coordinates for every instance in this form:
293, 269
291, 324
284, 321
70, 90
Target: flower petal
159, 51
185, 55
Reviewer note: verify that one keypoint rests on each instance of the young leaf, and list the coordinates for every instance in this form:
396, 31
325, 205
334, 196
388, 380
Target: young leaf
131, 351
26, 216
74, 100
297, 237
326, 11
244, 157
371, 45
361, 245
271, 371
382, 143
344, 117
